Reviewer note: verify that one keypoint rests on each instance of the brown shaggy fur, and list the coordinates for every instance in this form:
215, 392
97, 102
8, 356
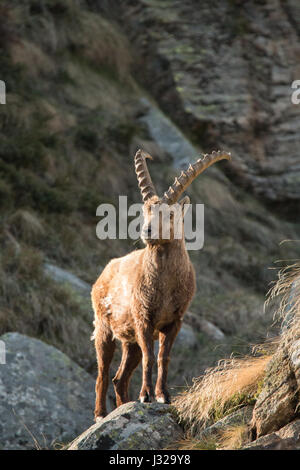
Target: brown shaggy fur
144, 295
139, 298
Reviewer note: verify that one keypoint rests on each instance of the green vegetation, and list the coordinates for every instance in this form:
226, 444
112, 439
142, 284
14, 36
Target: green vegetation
56, 145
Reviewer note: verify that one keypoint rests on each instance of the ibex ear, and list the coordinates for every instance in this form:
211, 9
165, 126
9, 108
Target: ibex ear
184, 204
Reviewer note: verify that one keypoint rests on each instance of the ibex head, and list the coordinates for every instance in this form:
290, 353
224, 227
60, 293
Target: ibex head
163, 217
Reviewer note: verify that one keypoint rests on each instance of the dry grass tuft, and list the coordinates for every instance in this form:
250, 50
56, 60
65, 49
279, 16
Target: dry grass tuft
104, 44
234, 437
220, 391
191, 443
32, 57
8, 32
288, 288
26, 226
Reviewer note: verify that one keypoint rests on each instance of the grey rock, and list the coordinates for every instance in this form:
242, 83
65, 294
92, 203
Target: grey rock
186, 337
167, 136
204, 326
61, 275
45, 398
272, 442
277, 402
239, 417
138, 426
211, 330
287, 438
291, 430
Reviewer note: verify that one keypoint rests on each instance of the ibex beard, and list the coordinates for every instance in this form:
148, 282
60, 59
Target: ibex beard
143, 296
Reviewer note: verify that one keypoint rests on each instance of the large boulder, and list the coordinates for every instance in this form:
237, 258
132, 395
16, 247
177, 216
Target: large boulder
45, 398
278, 400
287, 438
138, 426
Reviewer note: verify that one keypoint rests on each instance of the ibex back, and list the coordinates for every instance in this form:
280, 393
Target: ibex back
143, 296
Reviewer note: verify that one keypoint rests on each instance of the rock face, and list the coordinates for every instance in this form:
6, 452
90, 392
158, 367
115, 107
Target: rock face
278, 401
228, 81
138, 426
287, 438
45, 398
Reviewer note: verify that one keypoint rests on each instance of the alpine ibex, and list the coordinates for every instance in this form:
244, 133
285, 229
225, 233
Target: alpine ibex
143, 296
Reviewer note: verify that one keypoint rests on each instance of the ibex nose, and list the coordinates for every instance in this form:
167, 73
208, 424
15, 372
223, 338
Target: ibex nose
147, 232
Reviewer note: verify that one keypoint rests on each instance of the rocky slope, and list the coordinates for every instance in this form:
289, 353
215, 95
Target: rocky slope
84, 90
259, 401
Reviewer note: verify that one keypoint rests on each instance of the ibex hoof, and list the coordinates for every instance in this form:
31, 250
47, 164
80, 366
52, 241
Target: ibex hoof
146, 398
162, 400
99, 418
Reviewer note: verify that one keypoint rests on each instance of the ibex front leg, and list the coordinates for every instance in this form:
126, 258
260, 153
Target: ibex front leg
131, 357
146, 343
166, 339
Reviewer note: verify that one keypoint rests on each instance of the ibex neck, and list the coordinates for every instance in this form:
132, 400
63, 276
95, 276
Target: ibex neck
167, 256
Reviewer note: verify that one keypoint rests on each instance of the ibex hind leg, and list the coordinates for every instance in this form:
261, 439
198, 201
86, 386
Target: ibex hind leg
105, 347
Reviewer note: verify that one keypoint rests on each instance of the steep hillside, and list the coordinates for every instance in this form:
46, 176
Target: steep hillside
83, 94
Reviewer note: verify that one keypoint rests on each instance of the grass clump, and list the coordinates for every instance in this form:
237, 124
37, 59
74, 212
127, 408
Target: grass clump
26, 226
287, 288
191, 443
231, 438
234, 437
220, 391
32, 190
101, 43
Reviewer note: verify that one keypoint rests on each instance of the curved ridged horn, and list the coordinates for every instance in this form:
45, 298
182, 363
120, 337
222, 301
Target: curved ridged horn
186, 177
143, 176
